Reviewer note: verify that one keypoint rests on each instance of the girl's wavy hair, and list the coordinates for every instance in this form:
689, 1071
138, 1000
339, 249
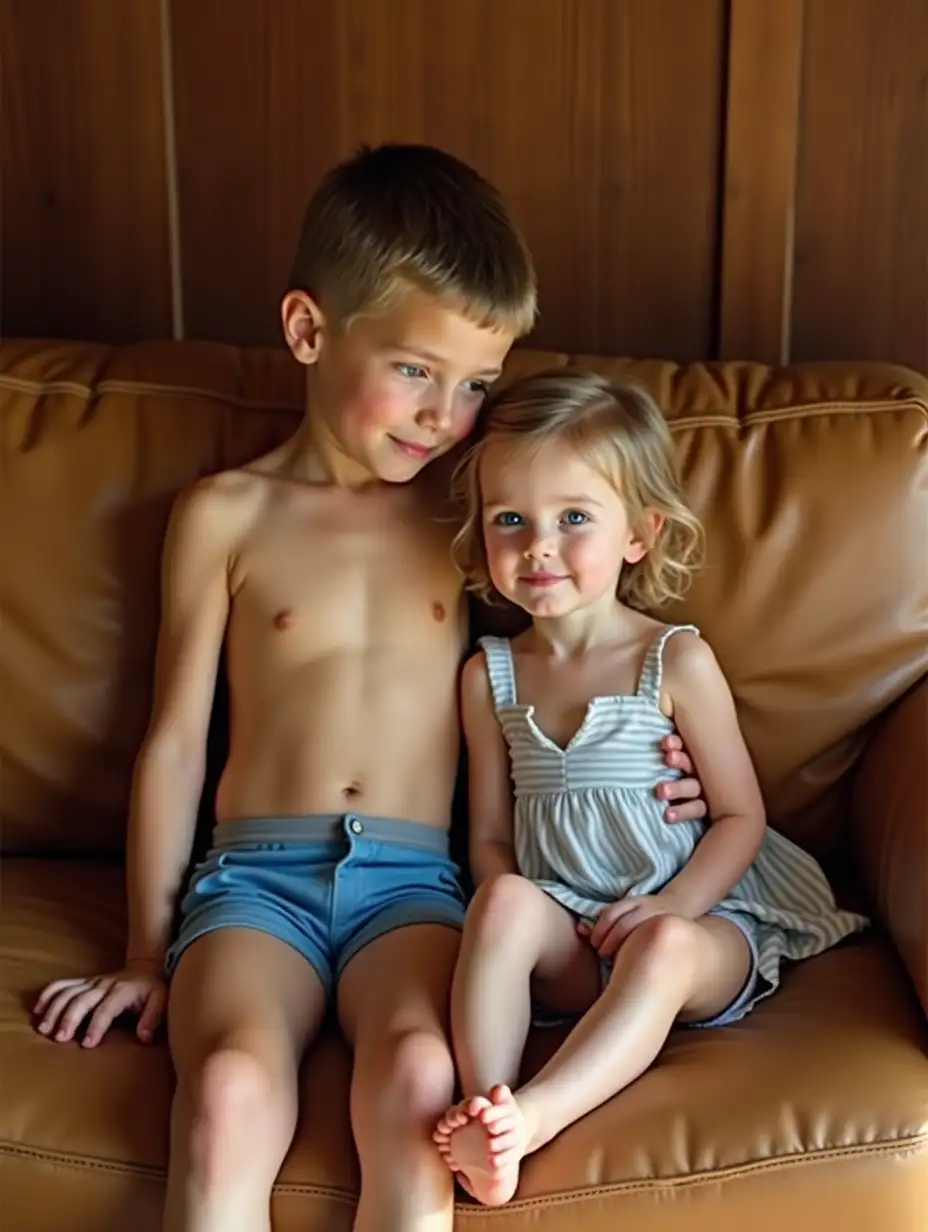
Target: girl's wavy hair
614, 426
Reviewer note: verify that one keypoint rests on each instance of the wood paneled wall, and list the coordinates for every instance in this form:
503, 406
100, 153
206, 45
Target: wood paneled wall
696, 178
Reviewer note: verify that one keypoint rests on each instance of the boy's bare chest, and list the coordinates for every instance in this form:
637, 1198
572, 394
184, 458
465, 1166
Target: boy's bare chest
336, 580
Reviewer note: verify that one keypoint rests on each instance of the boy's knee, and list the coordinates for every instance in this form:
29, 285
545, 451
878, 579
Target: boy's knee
500, 903
233, 1094
223, 1099
419, 1078
232, 1081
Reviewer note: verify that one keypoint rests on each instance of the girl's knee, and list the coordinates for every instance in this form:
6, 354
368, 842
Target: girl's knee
664, 945
501, 905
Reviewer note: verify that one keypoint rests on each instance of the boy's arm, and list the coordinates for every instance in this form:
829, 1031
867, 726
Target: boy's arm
704, 713
170, 767
489, 785
168, 775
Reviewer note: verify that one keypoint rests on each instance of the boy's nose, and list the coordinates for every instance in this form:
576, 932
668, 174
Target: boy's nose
438, 415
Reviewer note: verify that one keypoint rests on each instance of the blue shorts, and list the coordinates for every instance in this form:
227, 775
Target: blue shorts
325, 885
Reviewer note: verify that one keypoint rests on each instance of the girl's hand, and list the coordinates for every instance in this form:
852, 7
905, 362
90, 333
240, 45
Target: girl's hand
65, 1004
684, 796
616, 923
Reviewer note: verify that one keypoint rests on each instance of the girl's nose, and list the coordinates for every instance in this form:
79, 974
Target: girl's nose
540, 547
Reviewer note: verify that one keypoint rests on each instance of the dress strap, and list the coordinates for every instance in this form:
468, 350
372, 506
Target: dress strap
652, 673
500, 669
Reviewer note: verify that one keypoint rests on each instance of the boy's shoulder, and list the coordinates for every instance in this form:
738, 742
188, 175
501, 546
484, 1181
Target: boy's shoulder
214, 512
223, 493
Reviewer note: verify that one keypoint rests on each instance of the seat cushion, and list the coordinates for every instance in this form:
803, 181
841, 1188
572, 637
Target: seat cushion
813, 1110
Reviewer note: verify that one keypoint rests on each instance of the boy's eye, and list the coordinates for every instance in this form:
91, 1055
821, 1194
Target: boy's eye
508, 519
575, 517
415, 372
477, 387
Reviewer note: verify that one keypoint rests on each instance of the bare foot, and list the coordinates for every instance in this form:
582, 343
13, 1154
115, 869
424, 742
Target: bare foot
483, 1142
457, 1116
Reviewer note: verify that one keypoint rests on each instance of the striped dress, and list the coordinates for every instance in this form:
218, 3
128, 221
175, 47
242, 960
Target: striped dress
589, 829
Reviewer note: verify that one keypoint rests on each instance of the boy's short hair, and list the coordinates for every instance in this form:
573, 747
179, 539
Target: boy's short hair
618, 429
417, 215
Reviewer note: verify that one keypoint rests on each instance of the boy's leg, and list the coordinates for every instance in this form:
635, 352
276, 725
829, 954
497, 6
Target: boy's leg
393, 1005
668, 968
243, 1006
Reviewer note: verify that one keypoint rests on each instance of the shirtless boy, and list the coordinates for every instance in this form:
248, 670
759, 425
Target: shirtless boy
325, 567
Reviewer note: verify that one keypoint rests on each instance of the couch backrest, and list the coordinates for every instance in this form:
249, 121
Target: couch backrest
812, 482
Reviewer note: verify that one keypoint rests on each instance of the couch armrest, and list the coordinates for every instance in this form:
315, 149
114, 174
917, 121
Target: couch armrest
890, 829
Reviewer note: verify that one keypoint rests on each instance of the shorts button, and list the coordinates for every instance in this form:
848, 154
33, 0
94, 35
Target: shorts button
356, 827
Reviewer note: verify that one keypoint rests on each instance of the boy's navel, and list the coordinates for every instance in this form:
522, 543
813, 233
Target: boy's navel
284, 620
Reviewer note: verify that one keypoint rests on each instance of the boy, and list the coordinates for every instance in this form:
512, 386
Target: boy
325, 567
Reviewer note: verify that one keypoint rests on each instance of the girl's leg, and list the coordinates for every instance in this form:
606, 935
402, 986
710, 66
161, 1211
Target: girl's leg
243, 1006
669, 968
515, 935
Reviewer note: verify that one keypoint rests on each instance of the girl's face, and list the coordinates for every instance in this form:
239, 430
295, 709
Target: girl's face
556, 531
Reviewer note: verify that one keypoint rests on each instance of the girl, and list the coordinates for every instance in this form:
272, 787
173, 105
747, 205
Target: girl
586, 900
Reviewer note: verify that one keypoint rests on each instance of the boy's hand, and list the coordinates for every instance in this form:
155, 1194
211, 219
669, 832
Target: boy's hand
616, 923
684, 796
139, 988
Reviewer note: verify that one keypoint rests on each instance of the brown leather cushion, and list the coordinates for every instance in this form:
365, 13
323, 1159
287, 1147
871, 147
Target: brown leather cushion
813, 482
823, 1089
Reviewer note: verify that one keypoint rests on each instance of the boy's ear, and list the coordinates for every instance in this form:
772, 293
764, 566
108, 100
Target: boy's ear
303, 324
652, 523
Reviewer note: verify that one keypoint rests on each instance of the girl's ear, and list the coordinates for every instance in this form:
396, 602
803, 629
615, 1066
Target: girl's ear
644, 536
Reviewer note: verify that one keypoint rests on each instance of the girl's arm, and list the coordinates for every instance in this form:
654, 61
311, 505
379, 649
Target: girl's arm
489, 785
704, 713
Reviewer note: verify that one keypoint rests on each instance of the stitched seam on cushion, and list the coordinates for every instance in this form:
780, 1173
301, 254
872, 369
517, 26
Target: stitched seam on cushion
83, 1162
144, 389
911, 1144
86, 1163
803, 410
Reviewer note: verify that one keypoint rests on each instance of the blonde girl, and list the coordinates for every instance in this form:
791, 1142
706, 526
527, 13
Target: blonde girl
588, 905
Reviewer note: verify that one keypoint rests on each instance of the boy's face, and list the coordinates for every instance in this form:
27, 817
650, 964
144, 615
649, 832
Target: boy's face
399, 389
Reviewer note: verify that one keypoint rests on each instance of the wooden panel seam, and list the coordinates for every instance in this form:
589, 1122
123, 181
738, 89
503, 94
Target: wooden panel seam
759, 179
175, 254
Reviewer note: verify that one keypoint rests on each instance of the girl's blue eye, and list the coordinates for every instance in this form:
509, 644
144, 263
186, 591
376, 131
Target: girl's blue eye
508, 519
575, 517
413, 371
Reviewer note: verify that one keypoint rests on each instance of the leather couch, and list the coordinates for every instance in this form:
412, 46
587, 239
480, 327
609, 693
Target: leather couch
813, 482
